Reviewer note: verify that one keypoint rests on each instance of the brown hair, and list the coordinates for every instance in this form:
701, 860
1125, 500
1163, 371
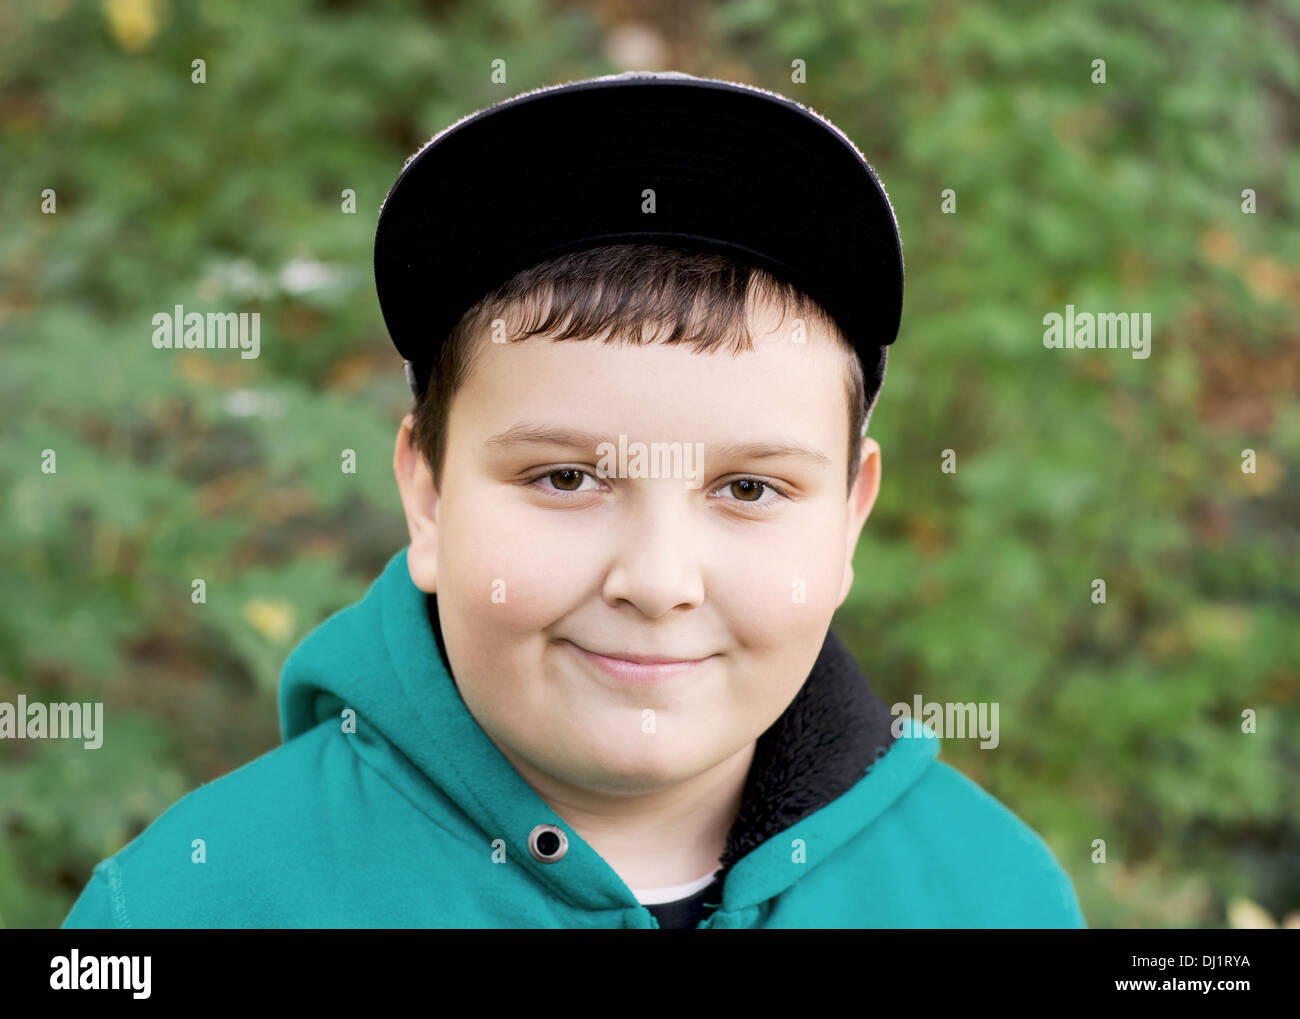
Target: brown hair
619, 289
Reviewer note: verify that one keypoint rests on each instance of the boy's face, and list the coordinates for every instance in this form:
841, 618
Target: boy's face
686, 567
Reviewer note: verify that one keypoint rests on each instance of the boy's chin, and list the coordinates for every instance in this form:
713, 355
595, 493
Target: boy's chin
624, 775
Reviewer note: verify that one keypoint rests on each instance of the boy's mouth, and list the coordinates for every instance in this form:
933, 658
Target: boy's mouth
639, 668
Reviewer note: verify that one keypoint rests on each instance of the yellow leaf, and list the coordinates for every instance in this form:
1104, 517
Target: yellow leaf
195, 367
133, 23
1219, 246
1245, 915
274, 620
1267, 278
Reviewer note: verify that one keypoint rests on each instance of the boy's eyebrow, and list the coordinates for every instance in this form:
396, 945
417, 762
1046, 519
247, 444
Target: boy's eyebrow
522, 434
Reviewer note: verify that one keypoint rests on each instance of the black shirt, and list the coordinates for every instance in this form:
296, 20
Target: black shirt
686, 914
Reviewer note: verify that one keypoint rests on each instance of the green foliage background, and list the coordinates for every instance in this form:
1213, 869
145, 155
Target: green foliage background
1120, 721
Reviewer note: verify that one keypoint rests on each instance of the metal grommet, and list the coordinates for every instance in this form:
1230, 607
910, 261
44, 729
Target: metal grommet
547, 843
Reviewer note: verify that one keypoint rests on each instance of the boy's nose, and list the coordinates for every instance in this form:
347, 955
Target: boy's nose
656, 566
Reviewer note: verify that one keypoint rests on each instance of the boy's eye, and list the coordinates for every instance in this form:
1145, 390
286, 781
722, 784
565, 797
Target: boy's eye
747, 489
569, 481
751, 491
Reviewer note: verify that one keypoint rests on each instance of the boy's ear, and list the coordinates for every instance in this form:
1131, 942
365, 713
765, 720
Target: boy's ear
420, 503
861, 500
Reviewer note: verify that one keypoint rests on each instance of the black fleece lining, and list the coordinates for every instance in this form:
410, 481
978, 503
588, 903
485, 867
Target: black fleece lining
831, 734
834, 730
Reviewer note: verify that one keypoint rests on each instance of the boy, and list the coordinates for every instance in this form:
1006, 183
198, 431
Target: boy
598, 688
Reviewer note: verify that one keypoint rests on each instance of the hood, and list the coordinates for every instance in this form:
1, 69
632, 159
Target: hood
383, 657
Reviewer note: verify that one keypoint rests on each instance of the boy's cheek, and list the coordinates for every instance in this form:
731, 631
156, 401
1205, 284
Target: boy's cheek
789, 588
504, 572
510, 593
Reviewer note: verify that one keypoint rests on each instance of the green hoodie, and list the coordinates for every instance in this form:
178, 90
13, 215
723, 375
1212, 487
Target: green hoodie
415, 819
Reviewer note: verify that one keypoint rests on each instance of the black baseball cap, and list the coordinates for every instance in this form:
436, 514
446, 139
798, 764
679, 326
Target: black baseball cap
734, 169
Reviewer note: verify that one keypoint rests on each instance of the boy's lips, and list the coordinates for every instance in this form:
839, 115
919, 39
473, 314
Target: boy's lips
637, 668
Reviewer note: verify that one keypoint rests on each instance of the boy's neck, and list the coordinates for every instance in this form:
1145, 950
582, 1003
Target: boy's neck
652, 840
